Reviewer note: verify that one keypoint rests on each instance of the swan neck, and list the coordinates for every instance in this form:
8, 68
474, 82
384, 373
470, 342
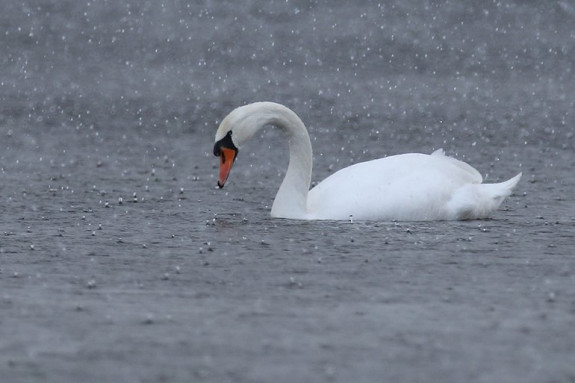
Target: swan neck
291, 198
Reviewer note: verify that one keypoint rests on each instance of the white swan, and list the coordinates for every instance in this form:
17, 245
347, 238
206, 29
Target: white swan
406, 187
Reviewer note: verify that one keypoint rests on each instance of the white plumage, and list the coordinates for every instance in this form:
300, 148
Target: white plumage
406, 187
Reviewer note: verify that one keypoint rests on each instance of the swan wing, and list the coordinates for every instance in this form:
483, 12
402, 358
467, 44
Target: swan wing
404, 187
475, 176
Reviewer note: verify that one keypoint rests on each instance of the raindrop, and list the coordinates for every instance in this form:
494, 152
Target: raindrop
149, 319
294, 283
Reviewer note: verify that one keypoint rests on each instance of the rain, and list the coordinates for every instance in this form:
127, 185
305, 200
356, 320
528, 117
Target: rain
121, 260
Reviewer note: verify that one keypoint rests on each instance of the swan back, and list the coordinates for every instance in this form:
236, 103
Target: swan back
407, 187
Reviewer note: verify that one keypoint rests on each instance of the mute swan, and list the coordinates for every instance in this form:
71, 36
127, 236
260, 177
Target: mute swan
406, 187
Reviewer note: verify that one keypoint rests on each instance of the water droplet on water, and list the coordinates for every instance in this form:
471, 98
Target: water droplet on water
149, 319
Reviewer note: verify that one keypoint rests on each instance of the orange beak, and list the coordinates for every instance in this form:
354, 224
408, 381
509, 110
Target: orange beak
227, 159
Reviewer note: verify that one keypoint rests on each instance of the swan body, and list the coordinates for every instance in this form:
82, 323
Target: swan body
406, 187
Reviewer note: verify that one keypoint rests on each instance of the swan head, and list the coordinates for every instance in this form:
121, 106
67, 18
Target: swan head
237, 128
227, 151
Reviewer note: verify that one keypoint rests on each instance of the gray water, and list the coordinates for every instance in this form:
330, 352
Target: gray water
120, 260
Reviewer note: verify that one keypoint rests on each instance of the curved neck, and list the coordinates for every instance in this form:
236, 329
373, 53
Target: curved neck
245, 121
291, 198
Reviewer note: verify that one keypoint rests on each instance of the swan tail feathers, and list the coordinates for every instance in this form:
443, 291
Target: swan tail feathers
503, 189
478, 201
